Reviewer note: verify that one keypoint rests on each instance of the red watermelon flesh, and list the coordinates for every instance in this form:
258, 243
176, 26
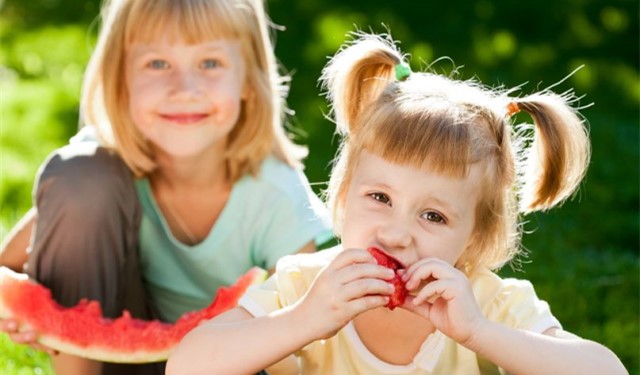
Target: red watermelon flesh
83, 331
400, 292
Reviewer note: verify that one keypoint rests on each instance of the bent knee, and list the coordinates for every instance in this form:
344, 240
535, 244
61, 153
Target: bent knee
85, 178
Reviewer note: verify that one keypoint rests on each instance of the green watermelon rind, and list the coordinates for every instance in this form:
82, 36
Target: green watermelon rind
170, 334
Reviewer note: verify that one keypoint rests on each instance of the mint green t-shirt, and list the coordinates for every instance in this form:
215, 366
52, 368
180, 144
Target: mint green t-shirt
266, 217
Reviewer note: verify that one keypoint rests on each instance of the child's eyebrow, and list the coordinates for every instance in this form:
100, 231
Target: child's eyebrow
373, 183
142, 49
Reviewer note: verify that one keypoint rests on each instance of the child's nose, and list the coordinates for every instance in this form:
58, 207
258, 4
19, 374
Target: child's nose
394, 234
186, 85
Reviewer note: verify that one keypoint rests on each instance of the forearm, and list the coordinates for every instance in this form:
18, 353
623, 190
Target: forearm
239, 347
521, 352
13, 250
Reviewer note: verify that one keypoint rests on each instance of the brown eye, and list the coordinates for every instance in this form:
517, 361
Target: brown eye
433, 217
380, 197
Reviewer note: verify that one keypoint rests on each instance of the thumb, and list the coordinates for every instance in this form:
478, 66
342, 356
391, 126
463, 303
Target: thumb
422, 309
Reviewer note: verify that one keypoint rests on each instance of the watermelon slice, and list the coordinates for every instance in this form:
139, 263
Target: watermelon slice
400, 292
83, 331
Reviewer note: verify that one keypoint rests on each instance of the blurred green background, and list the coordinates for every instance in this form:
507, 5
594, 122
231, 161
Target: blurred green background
584, 257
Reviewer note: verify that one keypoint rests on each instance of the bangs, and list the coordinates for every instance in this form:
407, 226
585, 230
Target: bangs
439, 138
192, 21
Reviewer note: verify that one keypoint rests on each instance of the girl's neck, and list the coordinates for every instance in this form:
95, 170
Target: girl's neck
393, 336
191, 193
191, 172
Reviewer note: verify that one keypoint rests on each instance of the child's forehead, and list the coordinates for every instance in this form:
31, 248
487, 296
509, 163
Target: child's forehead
227, 48
416, 182
377, 164
186, 24
166, 40
175, 33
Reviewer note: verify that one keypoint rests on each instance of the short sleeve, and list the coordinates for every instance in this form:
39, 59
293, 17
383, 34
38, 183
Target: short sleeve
517, 305
293, 277
259, 300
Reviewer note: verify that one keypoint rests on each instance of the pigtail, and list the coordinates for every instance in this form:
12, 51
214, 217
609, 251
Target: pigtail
557, 159
356, 76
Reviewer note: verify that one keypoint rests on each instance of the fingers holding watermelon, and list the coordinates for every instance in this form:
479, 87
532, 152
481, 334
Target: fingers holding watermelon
399, 295
442, 294
25, 337
348, 286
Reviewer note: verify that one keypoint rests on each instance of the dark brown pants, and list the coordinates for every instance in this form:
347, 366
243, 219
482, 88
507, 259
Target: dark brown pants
85, 240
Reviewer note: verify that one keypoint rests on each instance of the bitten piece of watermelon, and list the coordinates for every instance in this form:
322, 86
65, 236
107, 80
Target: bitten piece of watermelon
400, 292
83, 331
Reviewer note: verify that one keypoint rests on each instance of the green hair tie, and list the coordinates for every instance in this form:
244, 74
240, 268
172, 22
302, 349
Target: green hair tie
403, 71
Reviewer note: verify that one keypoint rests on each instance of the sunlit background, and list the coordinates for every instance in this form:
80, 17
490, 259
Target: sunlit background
583, 257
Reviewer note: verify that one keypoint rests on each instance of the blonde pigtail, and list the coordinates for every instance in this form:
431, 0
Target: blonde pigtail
356, 76
556, 161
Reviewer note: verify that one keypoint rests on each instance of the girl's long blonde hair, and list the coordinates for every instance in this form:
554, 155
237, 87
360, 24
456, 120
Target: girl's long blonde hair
105, 98
429, 120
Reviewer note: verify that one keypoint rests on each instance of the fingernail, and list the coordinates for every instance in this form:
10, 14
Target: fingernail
408, 284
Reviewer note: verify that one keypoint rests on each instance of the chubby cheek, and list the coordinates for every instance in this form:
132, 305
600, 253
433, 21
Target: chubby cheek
228, 111
353, 235
139, 102
355, 228
137, 114
455, 248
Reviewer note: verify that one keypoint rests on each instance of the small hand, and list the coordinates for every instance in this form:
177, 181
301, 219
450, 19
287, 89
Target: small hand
28, 337
350, 285
444, 296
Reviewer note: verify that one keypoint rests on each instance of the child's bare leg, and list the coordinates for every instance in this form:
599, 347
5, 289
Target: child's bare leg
71, 365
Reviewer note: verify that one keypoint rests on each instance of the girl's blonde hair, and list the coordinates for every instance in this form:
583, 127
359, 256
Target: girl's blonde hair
105, 98
428, 120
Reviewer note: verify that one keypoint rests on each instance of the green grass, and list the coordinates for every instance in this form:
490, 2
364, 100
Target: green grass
22, 359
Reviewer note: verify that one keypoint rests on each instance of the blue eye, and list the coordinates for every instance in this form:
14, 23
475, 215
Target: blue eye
380, 197
158, 64
433, 217
210, 64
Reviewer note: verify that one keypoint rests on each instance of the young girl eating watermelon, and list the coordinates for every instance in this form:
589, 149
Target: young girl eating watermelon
192, 182
425, 195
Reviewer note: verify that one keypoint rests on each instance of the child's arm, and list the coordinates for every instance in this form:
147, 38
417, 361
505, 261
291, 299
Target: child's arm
449, 304
238, 343
554, 352
13, 250
14, 254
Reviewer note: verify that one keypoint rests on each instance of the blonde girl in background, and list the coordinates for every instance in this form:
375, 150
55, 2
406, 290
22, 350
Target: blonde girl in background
432, 172
182, 179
